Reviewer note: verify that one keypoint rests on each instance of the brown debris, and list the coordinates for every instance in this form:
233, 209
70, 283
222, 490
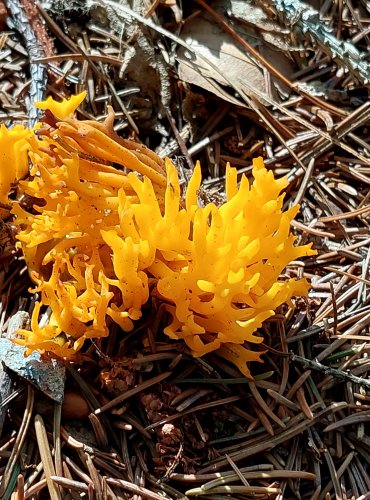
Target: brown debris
3, 15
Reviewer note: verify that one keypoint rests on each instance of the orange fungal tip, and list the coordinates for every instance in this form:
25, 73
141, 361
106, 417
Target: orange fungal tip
64, 108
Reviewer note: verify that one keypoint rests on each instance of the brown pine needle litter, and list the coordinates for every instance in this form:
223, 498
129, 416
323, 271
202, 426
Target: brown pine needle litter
159, 399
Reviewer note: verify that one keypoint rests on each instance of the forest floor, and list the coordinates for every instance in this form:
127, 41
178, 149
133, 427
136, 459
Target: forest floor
220, 81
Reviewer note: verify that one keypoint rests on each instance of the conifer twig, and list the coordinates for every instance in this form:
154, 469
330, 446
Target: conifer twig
328, 370
304, 20
35, 51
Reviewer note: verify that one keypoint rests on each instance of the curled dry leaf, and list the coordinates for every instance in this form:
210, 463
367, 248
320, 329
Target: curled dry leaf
218, 61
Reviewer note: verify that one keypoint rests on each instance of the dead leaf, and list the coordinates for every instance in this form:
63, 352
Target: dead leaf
216, 61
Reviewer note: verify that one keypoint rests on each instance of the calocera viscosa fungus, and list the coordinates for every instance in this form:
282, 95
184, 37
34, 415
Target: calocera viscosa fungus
99, 242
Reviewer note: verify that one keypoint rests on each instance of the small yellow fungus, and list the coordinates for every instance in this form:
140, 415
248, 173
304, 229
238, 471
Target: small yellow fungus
99, 242
13, 159
64, 108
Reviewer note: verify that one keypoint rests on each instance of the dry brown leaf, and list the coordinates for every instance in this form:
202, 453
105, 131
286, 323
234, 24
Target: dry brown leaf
228, 63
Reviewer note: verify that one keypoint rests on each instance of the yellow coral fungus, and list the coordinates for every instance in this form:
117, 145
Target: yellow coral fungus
100, 242
13, 159
64, 108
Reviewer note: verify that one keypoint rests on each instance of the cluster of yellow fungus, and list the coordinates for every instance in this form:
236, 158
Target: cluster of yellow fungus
109, 228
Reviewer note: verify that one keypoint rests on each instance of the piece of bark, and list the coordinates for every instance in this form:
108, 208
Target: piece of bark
19, 320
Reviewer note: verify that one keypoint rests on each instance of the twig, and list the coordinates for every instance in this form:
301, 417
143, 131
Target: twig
304, 19
327, 370
35, 50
